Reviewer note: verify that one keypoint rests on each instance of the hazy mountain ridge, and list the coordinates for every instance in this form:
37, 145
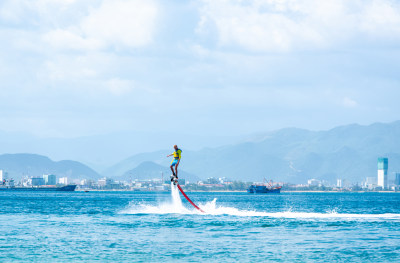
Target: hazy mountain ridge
122, 167
290, 155
103, 150
150, 170
19, 165
294, 155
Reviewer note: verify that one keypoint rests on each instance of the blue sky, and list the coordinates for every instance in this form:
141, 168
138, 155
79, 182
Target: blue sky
73, 68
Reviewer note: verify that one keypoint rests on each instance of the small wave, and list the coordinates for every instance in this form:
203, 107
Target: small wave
166, 208
211, 208
173, 207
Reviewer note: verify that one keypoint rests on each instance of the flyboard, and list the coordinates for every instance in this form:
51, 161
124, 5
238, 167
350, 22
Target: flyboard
175, 181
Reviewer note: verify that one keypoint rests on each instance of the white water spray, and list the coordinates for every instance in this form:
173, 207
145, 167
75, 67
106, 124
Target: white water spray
175, 206
211, 208
176, 199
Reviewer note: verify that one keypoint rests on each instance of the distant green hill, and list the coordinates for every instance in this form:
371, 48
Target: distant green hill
292, 155
18, 165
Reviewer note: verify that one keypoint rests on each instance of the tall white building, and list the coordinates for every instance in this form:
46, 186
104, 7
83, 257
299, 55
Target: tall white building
63, 180
50, 179
383, 172
339, 183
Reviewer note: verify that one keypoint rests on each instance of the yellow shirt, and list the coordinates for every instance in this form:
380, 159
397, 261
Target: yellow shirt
177, 154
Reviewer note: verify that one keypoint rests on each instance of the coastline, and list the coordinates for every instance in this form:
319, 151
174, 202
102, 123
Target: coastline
157, 191
311, 191
221, 191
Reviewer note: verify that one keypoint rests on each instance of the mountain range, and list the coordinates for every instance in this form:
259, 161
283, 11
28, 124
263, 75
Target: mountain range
150, 170
104, 150
287, 155
19, 165
291, 155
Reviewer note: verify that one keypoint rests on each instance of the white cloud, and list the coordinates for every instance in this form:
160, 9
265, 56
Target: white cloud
10, 11
115, 23
38, 13
49, 32
119, 87
200, 51
71, 69
349, 103
65, 39
55, 54
84, 25
126, 23
285, 25
381, 17
86, 75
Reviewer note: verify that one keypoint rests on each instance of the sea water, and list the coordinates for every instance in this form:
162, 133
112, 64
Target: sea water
163, 227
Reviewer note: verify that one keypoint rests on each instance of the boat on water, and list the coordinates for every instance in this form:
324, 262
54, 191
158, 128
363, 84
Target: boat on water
263, 189
66, 188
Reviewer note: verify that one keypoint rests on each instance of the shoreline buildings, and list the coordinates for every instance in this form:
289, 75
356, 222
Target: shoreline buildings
50, 179
397, 180
383, 172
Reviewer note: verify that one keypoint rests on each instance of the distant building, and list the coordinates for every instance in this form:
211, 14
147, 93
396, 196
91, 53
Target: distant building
339, 183
212, 180
104, 182
3, 175
11, 183
397, 179
63, 180
37, 181
383, 165
314, 182
370, 182
50, 179
83, 182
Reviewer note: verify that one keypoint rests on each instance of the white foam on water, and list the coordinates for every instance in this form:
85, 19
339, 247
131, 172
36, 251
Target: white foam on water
176, 199
173, 207
211, 208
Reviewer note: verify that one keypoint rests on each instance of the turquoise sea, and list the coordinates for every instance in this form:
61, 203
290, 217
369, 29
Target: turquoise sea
164, 227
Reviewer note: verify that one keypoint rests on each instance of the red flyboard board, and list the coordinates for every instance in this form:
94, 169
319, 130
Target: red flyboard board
187, 198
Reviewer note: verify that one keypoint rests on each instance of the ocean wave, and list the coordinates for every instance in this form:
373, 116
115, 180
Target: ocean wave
211, 208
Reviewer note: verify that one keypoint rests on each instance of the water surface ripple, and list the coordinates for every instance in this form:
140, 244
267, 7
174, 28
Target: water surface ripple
237, 227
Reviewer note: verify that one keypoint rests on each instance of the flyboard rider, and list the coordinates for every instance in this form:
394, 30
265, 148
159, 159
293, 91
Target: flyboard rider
174, 177
175, 162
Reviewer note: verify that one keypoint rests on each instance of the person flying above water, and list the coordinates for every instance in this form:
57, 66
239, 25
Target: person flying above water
175, 161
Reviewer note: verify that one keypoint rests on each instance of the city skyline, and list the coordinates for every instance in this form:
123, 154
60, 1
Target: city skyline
382, 182
290, 155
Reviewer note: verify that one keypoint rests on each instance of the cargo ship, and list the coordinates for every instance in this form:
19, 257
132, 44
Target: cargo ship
66, 188
263, 189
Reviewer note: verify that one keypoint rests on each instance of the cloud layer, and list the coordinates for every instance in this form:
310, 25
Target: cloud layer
114, 24
286, 25
73, 67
